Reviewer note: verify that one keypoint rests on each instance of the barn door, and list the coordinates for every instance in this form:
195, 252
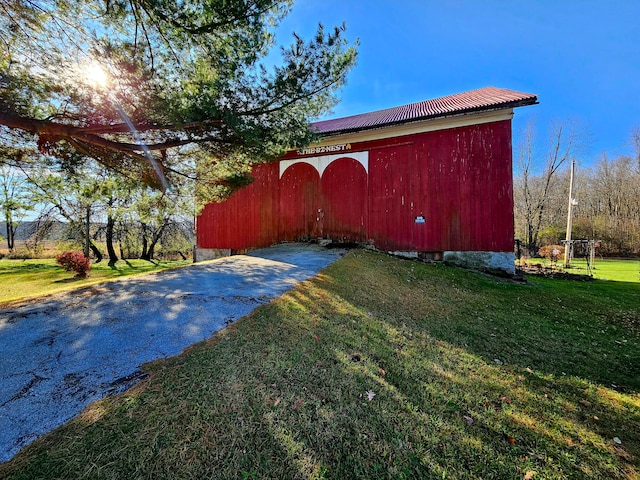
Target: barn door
343, 213
299, 202
393, 211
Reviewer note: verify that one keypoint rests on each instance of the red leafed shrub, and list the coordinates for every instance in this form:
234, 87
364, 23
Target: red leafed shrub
552, 252
74, 262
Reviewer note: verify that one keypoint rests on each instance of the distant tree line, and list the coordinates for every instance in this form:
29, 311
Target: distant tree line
607, 194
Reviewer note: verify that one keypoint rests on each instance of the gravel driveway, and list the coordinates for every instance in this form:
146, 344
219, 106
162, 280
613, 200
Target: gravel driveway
68, 350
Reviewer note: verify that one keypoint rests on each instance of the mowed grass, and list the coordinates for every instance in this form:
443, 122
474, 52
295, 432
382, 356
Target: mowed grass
21, 279
616, 270
606, 269
382, 368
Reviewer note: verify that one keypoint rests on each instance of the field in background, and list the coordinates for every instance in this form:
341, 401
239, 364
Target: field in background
47, 249
382, 368
50, 249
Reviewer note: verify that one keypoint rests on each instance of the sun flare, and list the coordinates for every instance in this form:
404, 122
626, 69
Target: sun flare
96, 75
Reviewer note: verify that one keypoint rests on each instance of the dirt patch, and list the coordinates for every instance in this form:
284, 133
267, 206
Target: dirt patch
551, 272
629, 319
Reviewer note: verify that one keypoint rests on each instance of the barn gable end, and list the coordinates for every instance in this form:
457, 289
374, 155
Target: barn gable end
427, 180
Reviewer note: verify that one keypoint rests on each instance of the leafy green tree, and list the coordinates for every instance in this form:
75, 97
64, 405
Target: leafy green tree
115, 194
156, 222
157, 215
186, 88
74, 195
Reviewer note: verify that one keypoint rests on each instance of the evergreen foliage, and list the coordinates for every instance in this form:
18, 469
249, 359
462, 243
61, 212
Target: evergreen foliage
196, 78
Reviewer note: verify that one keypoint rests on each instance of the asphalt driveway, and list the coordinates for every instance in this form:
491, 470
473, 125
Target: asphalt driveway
59, 355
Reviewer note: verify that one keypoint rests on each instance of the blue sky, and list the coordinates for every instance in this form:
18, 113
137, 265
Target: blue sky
581, 57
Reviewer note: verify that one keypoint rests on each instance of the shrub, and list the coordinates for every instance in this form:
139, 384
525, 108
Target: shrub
552, 252
74, 261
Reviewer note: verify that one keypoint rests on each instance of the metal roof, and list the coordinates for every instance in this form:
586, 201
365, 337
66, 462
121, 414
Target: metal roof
487, 98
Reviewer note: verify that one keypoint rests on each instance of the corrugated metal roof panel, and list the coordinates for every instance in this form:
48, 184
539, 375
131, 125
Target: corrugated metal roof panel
486, 98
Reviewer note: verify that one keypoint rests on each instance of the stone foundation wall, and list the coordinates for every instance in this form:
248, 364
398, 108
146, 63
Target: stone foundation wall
500, 262
495, 262
202, 254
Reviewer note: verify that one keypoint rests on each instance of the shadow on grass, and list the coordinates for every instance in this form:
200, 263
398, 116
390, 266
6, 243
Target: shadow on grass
17, 269
70, 280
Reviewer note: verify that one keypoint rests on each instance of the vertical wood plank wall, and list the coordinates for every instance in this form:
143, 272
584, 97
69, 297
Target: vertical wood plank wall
435, 191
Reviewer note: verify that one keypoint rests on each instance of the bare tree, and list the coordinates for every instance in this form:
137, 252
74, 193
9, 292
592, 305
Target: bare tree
611, 205
635, 139
608, 209
536, 175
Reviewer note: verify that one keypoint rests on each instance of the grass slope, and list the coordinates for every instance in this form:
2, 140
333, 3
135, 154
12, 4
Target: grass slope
382, 368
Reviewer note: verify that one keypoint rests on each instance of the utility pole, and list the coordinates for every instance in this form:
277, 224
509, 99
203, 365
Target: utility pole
572, 203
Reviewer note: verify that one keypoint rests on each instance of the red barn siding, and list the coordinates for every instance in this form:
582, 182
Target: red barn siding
344, 201
392, 221
299, 203
458, 179
246, 219
465, 188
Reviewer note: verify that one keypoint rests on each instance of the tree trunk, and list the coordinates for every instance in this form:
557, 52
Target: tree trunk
148, 247
11, 233
113, 258
151, 252
87, 238
152, 247
96, 252
145, 254
11, 228
155, 239
531, 243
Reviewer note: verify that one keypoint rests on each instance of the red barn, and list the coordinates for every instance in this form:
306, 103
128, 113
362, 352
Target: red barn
431, 179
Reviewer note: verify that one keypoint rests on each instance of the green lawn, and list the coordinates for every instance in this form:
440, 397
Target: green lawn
616, 270
603, 269
382, 368
23, 279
